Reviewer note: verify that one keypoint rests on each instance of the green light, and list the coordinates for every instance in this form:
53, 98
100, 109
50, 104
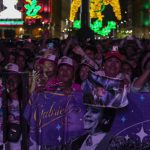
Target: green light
97, 27
77, 24
112, 24
103, 7
146, 6
146, 23
11, 22
32, 8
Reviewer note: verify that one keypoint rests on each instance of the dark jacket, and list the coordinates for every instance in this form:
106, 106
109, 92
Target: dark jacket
108, 142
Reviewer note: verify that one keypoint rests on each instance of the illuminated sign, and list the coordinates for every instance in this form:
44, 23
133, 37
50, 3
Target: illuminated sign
10, 12
11, 22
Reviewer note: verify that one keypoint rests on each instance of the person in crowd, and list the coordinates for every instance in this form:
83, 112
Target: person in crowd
127, 70
142, 83
22, 63
83, 71
49, 71
11, 57
85, 68
52, 47
13, 96
99, 55
64, 104
2, 60
1, 116
90, 51
44, 73
112, 65
34, 73
66, 74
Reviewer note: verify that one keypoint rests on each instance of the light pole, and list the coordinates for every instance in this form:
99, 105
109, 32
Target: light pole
85, 31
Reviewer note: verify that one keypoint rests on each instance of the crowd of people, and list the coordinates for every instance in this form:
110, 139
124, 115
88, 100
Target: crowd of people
71, 85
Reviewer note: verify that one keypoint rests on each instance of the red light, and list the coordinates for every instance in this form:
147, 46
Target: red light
148, 10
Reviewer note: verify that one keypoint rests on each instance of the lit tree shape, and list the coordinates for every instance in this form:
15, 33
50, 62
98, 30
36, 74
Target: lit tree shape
32, 8
96, 9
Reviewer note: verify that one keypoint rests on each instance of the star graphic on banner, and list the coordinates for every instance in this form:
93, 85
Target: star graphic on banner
142, 98
123, 119
40, 130
141, 134
59, 138
58, 127
127, 137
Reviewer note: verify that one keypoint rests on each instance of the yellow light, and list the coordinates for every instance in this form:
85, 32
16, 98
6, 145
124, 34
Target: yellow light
96, 7
74, 9
20, 29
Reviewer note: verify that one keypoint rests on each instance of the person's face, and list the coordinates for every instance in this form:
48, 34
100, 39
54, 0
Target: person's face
99, 48
90, 53
84, 72
101, 91
130, 52
11, 59
126, 69
37, 66
21, 62
22, 53
49, 68
112, 67
98, 56
92, 118
65, 73
12, 83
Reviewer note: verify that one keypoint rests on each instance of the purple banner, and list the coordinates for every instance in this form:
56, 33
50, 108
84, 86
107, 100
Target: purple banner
133, 122
54, 119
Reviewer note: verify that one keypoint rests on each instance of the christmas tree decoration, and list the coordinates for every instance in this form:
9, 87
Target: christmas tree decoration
96, 10
97, 27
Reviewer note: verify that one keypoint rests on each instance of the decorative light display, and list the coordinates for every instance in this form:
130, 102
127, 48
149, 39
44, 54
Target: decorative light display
146, 14
77, 24
97, 27
74, 9
10, 15
96, 9
32, 9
